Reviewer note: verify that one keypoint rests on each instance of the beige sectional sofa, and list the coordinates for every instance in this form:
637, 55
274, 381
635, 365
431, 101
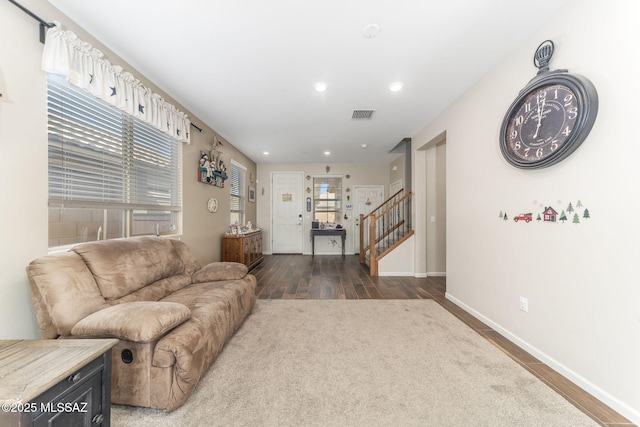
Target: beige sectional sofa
171, 316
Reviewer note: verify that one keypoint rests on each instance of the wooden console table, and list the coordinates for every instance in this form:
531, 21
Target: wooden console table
244, 248
61, 382
327, 232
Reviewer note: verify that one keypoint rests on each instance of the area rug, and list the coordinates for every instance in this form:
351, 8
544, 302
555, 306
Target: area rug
361, 363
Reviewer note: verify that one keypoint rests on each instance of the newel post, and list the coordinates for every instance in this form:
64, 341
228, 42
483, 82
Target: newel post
373, 262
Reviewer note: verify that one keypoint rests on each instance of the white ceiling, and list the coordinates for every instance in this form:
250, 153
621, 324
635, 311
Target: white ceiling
247, 68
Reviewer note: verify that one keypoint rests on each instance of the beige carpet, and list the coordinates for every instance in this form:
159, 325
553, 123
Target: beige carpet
361, 363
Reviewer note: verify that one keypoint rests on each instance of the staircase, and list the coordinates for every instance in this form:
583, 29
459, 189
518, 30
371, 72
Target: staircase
384, 229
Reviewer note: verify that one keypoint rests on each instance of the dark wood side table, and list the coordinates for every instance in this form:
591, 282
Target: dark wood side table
64, 382
327, 232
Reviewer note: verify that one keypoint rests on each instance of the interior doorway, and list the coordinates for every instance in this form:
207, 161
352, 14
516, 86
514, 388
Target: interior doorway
436, 206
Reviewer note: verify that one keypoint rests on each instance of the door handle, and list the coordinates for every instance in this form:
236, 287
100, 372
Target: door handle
300, 219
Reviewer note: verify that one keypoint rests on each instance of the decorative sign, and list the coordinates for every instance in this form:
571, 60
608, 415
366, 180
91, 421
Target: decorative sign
211, 169
348, 206
548, 214
287, 197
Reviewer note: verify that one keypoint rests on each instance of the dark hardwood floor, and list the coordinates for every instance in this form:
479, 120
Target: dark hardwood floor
337, 277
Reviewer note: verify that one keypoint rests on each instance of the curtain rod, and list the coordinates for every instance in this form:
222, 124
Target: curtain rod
43, 24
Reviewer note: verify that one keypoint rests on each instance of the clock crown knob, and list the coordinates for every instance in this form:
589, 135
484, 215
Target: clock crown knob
543, 55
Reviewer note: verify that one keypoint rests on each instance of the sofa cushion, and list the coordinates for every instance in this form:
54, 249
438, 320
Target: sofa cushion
142, 321
123, 266
68, 291
217, 309
220, 271
157, 290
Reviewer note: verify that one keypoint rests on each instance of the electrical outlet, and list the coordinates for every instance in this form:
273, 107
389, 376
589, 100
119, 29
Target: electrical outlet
524, 304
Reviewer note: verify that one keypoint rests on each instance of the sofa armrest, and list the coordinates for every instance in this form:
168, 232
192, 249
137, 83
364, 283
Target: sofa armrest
141, 321
220, 271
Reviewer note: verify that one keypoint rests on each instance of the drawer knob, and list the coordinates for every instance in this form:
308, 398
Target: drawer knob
98, 419
74, 378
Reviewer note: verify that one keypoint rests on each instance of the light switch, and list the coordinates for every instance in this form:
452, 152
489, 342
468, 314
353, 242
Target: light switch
433, 219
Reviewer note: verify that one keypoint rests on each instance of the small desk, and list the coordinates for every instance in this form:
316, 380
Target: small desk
327, 232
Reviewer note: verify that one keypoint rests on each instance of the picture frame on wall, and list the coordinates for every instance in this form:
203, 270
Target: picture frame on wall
252, 194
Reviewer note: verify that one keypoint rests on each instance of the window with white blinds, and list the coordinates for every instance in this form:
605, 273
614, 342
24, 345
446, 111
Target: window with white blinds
327, 199
238, 173
109, 173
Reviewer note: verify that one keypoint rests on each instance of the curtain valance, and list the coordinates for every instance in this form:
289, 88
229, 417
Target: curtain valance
85, 67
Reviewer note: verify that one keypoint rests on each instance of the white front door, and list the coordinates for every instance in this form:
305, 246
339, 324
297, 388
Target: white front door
287, 207
366, 199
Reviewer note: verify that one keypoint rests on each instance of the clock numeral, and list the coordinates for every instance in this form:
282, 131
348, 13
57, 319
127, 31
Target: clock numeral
554, 145
542, 95
527, 107
526, 152
566, 131
573, 113
517, 145
568, 100
518, 120
514, 134
539, 152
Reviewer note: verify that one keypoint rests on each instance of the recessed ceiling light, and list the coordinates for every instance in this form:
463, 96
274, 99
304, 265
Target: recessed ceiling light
320, 87
364, 145
327, 153
396, 87
266, 153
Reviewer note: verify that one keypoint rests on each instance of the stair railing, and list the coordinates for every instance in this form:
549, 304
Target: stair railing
386, 226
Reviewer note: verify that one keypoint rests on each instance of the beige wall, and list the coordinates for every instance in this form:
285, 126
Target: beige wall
360, 174
202, 229
397, 174
23, 176
580, 280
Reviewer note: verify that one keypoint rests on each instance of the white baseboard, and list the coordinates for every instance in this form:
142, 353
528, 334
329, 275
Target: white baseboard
622, 408
400, 274
436, 274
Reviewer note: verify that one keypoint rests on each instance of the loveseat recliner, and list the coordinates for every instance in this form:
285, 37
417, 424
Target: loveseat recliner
171, 316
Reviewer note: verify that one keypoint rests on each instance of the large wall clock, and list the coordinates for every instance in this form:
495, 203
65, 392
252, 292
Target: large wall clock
550, 117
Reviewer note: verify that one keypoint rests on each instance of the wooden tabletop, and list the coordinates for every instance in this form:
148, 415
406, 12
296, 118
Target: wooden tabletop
30, 367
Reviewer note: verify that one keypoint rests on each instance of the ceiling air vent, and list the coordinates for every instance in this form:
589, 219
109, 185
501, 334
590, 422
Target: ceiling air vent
362, 114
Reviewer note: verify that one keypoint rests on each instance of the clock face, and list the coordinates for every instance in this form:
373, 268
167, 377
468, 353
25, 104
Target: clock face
548, 120
542, 123
212, 205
